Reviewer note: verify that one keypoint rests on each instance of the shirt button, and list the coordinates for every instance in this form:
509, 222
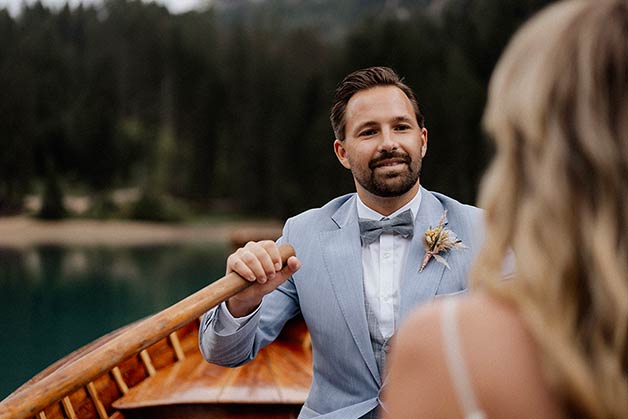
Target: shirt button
386, 255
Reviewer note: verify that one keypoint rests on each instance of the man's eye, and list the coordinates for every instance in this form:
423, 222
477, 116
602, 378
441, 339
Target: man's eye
403, 127
367, 133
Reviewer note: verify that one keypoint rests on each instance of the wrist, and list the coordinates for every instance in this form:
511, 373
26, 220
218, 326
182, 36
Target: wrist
240, 308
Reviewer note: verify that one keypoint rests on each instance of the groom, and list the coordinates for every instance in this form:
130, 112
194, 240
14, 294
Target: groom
358, 272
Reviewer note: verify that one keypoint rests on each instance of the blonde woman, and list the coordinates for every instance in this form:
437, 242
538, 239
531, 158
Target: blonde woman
553, 342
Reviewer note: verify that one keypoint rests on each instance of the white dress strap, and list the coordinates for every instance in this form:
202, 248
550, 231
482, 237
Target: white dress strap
455, 362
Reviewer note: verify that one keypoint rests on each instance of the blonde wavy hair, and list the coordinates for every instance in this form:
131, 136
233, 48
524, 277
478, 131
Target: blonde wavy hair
557, 195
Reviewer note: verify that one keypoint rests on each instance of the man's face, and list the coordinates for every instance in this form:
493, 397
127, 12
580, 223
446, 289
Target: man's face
384, 144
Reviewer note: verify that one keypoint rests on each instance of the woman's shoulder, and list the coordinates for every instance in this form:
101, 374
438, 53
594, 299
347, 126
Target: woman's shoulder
499, 354
478, 316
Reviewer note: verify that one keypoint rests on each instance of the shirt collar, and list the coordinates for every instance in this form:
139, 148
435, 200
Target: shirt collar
370, 214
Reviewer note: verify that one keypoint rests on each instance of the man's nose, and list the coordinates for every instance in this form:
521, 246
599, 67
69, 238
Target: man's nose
389, 141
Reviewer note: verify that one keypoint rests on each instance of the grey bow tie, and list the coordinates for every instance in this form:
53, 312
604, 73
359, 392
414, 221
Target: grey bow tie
402, 224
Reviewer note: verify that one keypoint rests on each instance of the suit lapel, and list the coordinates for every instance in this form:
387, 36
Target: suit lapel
342, 254
421, 286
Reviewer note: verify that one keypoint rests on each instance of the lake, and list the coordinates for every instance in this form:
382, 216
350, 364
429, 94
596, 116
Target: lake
55, 299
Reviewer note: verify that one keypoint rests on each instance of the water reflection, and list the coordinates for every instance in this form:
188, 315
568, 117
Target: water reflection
55, 299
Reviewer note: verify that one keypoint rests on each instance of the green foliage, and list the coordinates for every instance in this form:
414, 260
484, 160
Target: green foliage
103, 207
52, 207
231, 105
154, 207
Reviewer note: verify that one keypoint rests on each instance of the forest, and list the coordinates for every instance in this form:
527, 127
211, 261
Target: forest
226, 110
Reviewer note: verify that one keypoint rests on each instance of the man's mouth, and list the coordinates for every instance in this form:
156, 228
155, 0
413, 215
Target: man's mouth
389, 161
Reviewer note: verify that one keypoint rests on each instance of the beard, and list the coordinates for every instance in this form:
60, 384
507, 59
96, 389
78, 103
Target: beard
388, 184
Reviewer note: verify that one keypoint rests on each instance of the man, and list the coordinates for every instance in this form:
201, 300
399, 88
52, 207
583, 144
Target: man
354, 277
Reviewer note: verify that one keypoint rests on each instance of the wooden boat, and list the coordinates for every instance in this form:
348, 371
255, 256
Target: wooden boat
153, 369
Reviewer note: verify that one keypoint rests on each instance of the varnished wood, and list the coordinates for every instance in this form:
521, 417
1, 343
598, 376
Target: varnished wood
86, 366
281, 373
159, 354
133, 370
188, 336
177, 384
117, 375
176, 345
193, 382
107, 390
83, 405
91, 389
148, 363
241, 386
67, 407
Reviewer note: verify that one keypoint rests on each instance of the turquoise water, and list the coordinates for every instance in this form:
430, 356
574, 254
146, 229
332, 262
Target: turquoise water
54, 299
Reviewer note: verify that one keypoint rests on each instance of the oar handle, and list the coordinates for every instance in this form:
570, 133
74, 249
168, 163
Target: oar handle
30, 400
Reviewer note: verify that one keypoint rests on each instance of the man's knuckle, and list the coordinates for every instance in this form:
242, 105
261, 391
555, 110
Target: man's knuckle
248, 257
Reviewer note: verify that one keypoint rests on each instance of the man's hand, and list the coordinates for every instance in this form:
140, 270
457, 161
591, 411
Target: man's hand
258, 262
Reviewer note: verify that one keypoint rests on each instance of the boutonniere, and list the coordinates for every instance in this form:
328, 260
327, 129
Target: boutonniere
439, 240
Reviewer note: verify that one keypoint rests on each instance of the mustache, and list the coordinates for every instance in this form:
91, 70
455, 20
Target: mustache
390, 155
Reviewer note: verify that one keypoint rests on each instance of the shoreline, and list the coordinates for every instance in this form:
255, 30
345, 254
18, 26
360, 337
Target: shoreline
20, 232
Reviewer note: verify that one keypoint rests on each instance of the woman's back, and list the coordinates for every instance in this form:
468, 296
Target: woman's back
499, 356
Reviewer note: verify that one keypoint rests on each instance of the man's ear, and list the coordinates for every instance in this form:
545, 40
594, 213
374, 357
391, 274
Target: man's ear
423, 142
341, 153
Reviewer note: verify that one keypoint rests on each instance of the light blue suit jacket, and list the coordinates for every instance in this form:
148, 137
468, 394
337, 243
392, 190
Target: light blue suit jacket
328, 291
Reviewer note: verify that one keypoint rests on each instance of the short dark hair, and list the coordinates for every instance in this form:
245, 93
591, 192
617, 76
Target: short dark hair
364, 79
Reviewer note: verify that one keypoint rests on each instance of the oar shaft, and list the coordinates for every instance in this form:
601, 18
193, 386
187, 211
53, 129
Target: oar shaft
78, 373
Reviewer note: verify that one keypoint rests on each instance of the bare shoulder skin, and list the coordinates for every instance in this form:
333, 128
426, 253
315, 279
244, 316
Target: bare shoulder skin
500, 355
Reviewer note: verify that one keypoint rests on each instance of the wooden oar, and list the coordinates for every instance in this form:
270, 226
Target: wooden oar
29, 401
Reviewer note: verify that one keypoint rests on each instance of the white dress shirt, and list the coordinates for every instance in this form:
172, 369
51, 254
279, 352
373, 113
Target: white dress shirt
382, 266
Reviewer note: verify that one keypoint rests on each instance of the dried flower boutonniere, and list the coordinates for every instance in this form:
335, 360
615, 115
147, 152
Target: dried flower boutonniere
438, 240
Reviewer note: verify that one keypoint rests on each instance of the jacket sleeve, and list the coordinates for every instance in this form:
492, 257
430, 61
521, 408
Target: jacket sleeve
243, 345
